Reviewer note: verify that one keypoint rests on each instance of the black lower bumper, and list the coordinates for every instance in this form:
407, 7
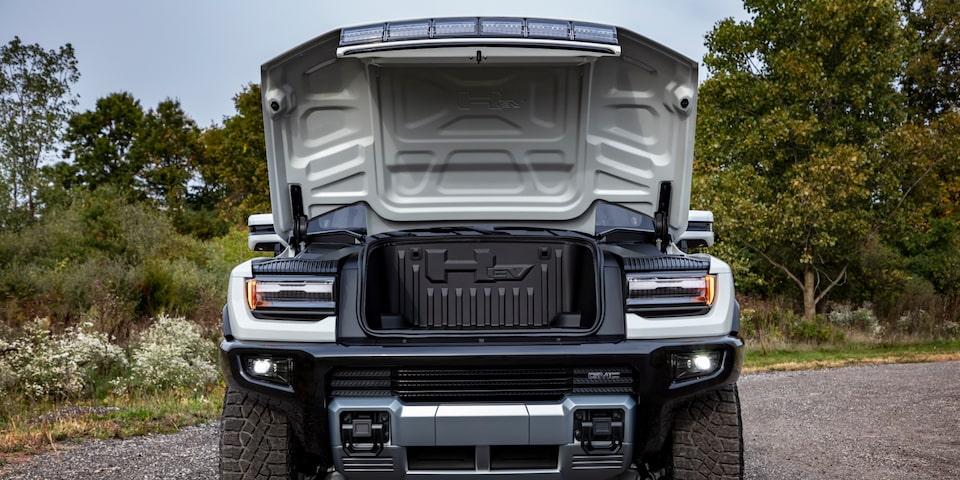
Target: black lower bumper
307, 395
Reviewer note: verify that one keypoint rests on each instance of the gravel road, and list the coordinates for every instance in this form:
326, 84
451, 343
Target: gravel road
876, 422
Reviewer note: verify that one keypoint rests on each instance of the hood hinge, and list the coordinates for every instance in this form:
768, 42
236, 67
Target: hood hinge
661, 219
299, 234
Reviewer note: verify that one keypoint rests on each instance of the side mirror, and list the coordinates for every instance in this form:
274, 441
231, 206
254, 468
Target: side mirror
699, 232
262, 237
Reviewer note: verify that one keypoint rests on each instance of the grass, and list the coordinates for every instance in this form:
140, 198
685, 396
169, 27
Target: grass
806, 357
37, 427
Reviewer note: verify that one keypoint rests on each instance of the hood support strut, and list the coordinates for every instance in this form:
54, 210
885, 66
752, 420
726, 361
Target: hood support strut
661, 218
299, 234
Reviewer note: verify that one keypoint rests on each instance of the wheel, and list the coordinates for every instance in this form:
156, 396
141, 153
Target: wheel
255, 440
707, 437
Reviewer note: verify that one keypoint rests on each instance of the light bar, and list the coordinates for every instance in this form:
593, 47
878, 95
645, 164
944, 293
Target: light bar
589, 32
501, 27
357, 35
408, 30
455, 27
471, 27
537, 28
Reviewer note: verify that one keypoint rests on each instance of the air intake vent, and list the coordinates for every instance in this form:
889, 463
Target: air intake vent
597, 462
368, 464
665, 264
293, 266
511, 384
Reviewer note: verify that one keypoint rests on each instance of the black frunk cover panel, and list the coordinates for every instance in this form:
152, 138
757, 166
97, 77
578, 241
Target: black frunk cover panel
486, 285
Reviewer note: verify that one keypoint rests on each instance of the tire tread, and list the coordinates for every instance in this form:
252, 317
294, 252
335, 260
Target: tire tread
708, 437
254, 440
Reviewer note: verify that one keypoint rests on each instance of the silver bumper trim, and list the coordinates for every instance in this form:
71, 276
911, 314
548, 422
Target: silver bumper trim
483, 425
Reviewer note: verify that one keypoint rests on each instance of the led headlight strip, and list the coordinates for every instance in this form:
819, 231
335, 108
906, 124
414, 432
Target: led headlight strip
667, 286
291, 298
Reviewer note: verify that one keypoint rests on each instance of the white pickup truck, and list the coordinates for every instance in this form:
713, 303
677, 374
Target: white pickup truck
478, 226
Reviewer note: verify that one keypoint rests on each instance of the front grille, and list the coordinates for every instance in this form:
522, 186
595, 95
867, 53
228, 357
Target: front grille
467, 384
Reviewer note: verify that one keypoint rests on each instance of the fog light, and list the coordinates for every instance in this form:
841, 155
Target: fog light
703, 363
693, 365
271, 369
263, 366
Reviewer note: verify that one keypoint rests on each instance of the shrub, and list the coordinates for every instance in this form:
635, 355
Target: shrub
116, 263
863, 319
815, 331
70, 364
172, 354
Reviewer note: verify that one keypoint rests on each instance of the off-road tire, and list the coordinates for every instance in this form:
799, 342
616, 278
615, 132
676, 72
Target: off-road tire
255, 440
707, 437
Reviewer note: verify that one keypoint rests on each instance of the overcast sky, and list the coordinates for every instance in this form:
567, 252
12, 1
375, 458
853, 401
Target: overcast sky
204, 52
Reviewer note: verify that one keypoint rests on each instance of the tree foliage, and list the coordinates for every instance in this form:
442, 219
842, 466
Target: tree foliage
925, 228
931, 77
35, 101
167, 150
100, 142
234, 171
800, 97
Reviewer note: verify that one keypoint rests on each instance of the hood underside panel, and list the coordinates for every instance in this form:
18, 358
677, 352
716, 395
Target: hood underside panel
449, 141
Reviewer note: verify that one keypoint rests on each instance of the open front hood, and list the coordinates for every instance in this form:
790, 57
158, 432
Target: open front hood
480, 121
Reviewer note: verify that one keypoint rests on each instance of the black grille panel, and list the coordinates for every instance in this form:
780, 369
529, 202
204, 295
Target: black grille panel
459, 384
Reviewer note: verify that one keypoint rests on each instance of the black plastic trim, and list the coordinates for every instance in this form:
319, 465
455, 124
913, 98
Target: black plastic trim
598, 309
225, 318
656, 393
735, 330
294, 266
673, 263
261, 229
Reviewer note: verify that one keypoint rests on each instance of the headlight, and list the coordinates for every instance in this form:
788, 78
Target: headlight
665, 296
291, 299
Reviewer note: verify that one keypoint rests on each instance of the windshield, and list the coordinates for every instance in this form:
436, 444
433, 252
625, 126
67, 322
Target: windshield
352, 217
611, 217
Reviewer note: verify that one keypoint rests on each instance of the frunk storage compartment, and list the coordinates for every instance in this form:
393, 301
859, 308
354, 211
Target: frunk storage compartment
490, 283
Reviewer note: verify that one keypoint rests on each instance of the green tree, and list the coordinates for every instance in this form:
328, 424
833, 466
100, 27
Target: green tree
166, 149
35, 101
234, 168
789, 127
931, 78
925, 221
100, 141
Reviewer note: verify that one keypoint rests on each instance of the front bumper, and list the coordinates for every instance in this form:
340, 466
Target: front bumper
484, 439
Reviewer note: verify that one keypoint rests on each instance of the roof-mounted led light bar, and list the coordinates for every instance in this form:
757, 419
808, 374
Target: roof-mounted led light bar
479, 28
